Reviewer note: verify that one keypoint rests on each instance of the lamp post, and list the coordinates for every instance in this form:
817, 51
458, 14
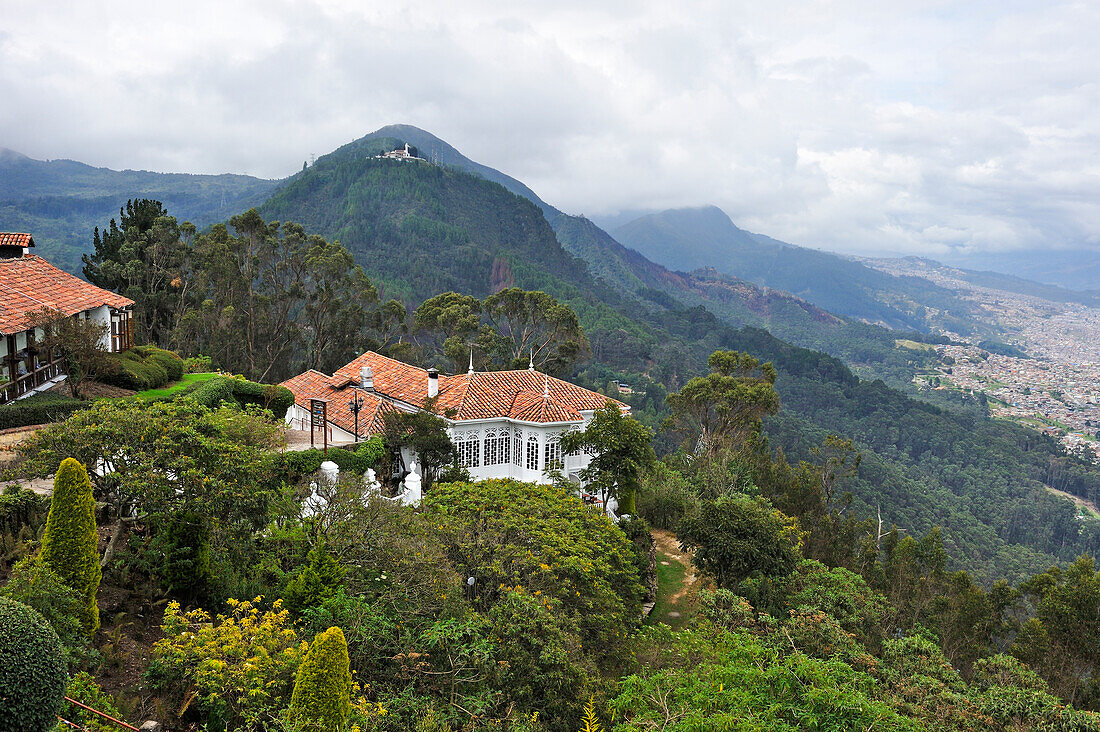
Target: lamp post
355, 405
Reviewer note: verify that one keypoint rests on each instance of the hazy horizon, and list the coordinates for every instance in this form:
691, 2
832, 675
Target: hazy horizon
857, 127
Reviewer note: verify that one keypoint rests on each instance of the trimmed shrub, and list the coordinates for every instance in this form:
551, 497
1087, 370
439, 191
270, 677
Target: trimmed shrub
70, 542
144, 367
321, 699
32, 670
295, 465
186, 570
40, 409
242, 392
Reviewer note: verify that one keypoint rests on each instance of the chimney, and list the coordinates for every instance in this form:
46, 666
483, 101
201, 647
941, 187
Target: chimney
433, 383
366, 378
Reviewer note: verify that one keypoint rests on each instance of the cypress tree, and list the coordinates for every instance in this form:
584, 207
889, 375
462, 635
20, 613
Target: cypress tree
322, 690
70, 542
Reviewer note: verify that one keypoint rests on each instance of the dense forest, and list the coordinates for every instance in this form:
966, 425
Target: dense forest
235, 600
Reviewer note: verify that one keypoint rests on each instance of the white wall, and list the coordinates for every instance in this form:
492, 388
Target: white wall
298, 419
509, 469
101, 316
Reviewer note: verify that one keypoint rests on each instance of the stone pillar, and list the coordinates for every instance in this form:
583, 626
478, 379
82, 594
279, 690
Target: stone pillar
413, 492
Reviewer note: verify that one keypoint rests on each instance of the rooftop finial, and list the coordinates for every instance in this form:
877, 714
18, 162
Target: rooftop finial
471, 360
531, 362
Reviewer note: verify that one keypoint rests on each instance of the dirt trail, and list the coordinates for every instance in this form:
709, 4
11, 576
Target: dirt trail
669, 545
1080, 502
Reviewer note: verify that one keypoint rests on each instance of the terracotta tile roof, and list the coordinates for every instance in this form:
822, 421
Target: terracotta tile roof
481, 395
29, 283
315, 385
9, 239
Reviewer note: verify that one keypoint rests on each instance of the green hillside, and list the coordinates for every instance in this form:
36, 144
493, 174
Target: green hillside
61, 201
420, 229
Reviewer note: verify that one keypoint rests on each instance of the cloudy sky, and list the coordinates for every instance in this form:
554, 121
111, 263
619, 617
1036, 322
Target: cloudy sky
864, 126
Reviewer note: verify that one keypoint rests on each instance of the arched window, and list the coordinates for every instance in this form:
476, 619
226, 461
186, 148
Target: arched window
533, 452
490, 451
552, 457
496, 450
469, 454
517, 449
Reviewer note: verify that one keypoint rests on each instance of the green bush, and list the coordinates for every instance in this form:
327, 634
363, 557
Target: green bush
37, 586
665, 497
40, 409
322, 690
199, 364
32, 670
70, 542
186, 569
22, 514
242, 392
317, 581
144, 367
85, 690
293, 466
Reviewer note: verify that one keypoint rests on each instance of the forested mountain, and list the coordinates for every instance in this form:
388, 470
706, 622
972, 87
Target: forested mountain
692, 238
419, 229
60, 201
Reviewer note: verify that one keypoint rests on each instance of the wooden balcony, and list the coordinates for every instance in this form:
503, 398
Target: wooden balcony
27, 383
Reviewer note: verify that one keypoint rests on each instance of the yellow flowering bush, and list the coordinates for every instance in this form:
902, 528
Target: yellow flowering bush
236, 671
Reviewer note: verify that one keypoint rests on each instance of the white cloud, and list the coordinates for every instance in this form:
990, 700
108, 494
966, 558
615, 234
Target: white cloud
915, 127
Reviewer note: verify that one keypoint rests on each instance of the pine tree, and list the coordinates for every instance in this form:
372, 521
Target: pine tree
322, 690
317, 581
70, 542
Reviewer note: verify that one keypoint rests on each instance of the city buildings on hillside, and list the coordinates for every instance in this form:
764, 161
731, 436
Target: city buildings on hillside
29, 286
504, 424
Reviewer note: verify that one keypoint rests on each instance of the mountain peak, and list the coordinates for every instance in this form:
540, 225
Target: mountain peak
440, 151
10, 156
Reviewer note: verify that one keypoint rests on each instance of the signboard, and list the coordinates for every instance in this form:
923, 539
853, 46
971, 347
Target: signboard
318, 418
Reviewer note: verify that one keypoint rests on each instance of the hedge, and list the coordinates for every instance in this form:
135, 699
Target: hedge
32, 670
144, 367
240, 391
39, 409
295, 465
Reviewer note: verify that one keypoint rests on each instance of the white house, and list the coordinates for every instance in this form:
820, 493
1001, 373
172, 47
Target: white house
504, 424
29, 285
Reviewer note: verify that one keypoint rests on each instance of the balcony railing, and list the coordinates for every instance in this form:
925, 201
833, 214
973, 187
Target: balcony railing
27, 383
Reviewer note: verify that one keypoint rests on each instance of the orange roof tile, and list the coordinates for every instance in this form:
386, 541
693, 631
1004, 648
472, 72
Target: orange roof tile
315, 385
29, 284
523, 395
10, 239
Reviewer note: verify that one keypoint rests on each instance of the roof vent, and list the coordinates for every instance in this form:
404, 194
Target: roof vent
433, 383
366, 378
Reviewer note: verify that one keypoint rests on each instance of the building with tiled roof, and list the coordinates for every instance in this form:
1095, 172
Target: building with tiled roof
505, 424
29, 285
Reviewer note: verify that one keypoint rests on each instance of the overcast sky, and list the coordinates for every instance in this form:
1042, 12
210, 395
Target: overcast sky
860, 126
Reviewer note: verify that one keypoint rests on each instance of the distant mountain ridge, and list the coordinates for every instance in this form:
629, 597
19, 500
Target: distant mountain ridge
692, 238
62, 201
